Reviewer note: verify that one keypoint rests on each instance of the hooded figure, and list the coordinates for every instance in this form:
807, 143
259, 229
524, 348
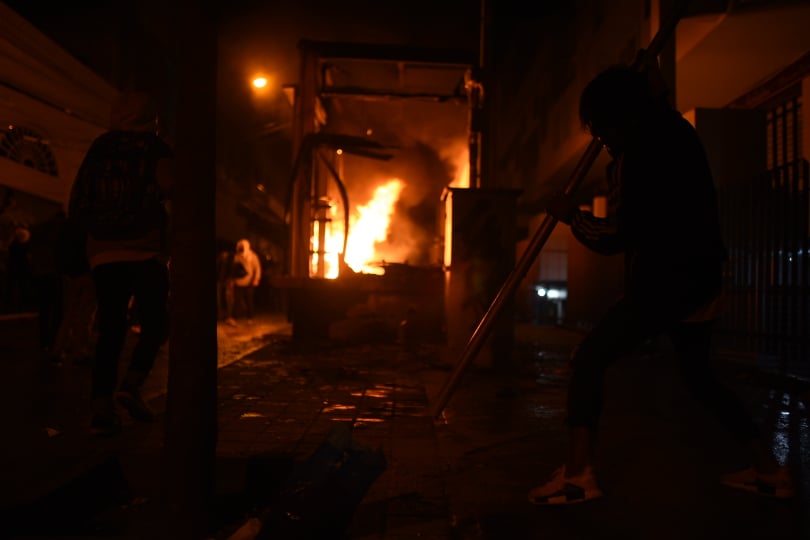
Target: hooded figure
250, 262
247, 273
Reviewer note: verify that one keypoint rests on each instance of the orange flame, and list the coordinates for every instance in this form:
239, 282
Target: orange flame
462, 170
368, 227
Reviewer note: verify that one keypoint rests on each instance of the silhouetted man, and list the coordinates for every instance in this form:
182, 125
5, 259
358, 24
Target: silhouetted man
664, 219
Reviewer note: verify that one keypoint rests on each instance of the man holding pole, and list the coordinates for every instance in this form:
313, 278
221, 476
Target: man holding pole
664, 218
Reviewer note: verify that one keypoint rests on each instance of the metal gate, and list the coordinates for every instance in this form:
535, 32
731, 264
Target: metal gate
766, 223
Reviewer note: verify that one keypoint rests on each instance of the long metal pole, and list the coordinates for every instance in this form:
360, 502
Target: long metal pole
542, 234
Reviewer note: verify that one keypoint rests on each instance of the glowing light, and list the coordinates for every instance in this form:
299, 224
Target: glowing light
338, 407
552, 294
259, 82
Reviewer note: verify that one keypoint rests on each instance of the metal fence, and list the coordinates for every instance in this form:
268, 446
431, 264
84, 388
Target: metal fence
767, 228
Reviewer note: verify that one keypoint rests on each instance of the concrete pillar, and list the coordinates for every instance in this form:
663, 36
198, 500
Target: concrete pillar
482, 255
191, 409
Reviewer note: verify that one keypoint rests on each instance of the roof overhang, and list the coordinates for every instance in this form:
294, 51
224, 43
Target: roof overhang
723, 56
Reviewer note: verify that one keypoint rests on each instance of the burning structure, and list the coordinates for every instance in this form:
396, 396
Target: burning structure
383, 137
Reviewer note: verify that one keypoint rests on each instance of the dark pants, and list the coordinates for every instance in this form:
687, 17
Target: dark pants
622, 330
243, 300
115, 283
49, 297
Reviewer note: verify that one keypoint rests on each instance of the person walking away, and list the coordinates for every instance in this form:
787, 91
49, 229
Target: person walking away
673, 275
119, 198
247, 273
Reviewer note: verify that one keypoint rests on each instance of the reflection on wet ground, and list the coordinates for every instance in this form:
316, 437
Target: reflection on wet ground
466, 477
659, 458
351, 385
503, 432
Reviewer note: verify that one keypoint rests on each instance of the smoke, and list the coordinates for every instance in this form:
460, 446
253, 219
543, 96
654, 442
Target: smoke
426, 170
427, 139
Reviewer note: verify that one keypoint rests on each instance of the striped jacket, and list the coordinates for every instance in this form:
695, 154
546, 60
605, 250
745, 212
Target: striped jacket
662, 214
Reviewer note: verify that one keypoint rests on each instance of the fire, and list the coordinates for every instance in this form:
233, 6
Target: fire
462, 176
368, 227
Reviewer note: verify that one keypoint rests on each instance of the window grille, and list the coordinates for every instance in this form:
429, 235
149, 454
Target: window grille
783, 132
28, 148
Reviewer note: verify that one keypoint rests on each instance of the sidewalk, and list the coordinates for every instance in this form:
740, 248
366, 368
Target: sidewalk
46, 414
463, 478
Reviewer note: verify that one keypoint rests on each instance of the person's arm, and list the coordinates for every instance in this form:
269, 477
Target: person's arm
257, 270
597, 234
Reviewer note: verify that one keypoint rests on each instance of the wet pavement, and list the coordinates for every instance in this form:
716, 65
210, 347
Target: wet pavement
659, 458
462, 478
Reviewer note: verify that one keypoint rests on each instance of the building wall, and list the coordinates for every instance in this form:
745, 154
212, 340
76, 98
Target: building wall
733, 139
539, 124
744, 47
60, 104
